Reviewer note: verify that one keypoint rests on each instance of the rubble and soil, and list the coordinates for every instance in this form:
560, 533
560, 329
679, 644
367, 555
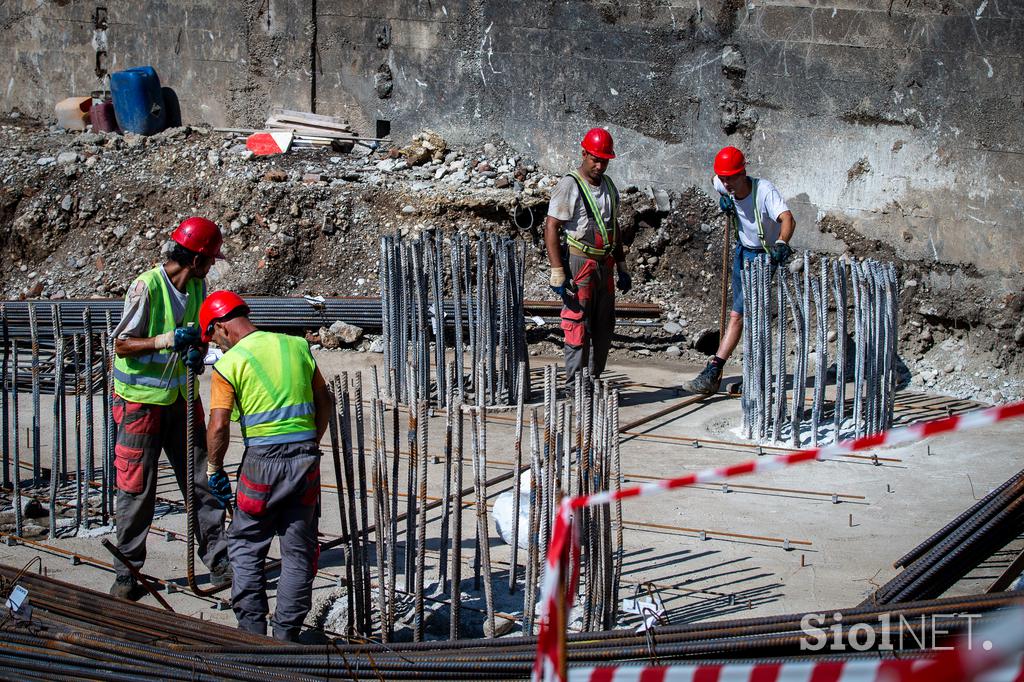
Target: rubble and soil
83, 213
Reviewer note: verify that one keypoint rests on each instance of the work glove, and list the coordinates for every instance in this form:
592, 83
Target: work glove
194, 359
726, 203
179, 339
624, 281
557, 281
781, 252
220, 487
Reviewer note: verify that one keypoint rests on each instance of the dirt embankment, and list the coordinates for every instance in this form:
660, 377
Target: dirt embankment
82, 214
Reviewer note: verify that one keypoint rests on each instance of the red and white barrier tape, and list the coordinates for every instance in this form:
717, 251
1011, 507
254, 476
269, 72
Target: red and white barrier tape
989, 654
548, 662
860, 670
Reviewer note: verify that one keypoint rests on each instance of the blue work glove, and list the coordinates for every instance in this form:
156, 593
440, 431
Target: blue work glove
220, 487
194, 359
185, 338
726, 203
781, 252
624, 281
557, 281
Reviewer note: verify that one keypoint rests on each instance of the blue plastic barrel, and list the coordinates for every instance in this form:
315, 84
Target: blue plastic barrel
138, 100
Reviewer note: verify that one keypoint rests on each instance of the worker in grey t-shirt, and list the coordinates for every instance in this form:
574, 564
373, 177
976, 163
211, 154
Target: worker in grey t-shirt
584, 205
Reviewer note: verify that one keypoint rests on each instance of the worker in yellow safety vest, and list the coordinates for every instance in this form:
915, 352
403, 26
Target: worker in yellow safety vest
584, 206
270, 384
154, 340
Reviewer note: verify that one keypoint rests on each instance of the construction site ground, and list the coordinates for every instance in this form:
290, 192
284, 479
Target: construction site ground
813, 536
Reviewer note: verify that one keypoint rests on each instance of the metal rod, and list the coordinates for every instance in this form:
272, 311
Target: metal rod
421, 520
36, 435
16, 473
456, 589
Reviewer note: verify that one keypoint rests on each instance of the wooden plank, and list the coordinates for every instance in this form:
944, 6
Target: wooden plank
336, 121
312, 125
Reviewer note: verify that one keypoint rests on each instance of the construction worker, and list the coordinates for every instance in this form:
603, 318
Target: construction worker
763, 224
156, 338
585, 205
270, 384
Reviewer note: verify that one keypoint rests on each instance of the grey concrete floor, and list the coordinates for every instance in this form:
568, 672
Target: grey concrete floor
838, 552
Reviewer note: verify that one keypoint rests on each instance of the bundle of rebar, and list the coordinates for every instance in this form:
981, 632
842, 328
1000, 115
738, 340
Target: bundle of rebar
76, 633
577, 454
959, 547
77, 367
479, 281
295, 314
777, 310
386, 565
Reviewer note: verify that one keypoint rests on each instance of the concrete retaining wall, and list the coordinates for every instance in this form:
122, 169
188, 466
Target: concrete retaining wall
901, 122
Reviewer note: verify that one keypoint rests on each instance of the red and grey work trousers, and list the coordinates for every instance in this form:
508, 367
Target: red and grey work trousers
278, 494
588, 317
142, 432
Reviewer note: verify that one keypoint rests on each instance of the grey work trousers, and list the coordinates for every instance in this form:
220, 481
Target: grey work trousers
588, 316
142, 432
278, 494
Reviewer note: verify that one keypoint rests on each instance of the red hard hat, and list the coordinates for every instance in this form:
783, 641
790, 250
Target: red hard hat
730, 161
598, 142
199, 235
217, 305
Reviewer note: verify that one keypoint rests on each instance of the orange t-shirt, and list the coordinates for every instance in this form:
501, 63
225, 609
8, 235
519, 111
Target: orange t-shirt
222, 393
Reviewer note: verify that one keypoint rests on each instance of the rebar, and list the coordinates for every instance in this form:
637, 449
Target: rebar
36, 426
54, 452
480, 473
532, 559
421, 519
89, 443
767, 326
79, 483
16, 474
360, 460
779, 412
5, 435
517, 447
456, 589
485, 288
447, 506
332, 428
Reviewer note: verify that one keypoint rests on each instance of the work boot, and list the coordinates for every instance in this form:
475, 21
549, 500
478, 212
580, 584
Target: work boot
126, 587
221, 573
705, 383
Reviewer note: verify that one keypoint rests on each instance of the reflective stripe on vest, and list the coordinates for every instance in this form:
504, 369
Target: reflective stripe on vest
272, 377
142, 380
594, 214
757, 219
276, 414
147, 378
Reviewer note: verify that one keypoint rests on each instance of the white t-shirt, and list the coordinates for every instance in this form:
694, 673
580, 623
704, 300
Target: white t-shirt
135, 316
770, 204
567, 206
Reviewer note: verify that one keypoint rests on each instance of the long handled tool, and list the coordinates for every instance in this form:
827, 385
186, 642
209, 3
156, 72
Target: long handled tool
725, 281
190, 485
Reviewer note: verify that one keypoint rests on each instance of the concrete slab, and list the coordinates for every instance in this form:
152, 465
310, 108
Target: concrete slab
819, 535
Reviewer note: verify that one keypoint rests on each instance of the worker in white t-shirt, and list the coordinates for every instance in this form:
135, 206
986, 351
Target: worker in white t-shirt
763, 225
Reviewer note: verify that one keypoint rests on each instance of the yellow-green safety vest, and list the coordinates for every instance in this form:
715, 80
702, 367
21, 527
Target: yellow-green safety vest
594, 213
272, 376
146, 378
